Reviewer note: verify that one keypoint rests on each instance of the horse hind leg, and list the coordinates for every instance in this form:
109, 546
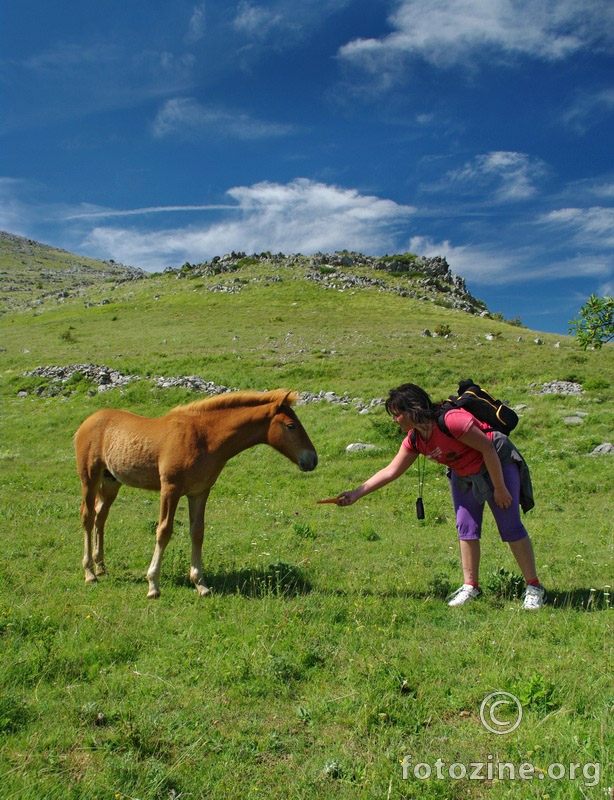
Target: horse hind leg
88, 516
107, 492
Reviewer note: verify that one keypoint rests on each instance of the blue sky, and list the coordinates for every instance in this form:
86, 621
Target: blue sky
156, 133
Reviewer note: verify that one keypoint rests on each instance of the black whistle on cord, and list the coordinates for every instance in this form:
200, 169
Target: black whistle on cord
419, 508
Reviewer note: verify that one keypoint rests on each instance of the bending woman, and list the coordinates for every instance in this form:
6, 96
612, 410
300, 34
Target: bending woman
483, 467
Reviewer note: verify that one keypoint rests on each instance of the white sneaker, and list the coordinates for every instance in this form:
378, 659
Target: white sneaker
463, 595
534, 597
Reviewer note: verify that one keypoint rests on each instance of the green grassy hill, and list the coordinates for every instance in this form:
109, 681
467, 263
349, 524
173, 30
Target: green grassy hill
31, 272
326, 653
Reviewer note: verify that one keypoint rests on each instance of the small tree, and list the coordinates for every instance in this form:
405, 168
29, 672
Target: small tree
594, 326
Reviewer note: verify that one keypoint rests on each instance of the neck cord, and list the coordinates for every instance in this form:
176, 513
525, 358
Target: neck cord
421, 464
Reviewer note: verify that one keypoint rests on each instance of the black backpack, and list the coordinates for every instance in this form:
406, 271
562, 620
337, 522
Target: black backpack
482, 405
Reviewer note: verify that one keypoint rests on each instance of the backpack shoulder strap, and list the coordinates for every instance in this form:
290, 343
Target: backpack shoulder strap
448, 405
440, 420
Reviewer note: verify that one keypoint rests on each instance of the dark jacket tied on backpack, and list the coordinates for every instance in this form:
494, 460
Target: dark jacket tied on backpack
480, 483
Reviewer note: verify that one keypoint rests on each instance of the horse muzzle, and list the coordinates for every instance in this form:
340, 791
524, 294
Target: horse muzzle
308, 461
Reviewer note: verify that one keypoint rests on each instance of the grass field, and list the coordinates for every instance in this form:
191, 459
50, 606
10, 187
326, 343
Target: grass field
326, 656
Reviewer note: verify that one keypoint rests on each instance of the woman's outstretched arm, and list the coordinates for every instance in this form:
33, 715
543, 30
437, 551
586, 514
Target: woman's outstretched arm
399, 464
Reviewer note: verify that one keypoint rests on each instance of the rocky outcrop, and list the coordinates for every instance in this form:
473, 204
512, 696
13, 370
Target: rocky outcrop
40, 273
407, 275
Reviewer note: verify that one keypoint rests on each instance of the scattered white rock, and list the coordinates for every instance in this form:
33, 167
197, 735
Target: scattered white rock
193, 382
573, 420
558, 387
358, 447
603, 449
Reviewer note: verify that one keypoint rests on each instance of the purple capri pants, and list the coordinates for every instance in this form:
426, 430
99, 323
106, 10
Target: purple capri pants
469, 511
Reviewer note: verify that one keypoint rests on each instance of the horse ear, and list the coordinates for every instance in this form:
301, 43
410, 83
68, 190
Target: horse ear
287, 398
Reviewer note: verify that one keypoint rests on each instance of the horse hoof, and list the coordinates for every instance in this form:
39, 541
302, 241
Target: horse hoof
154, 594
203, 591
101, 569
90, 577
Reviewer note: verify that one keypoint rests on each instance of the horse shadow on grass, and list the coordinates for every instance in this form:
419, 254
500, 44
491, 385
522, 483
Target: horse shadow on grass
276, 580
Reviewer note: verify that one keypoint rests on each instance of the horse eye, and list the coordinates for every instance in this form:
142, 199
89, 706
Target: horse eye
290, 426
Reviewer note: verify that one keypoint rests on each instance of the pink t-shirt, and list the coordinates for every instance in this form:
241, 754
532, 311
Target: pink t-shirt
448, 450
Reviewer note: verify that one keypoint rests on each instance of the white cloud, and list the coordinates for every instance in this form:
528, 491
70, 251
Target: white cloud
605, 190
70, 80
255, 21
86, 211
589, 109
480, 264
14, 213
302, 216
590, 227
196, 28
446, 32
509, 176
285, 21
492, 265
186, 118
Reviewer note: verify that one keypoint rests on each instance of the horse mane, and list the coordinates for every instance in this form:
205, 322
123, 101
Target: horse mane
238, 400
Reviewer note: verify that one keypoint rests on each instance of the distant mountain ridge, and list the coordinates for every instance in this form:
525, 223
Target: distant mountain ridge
32, 272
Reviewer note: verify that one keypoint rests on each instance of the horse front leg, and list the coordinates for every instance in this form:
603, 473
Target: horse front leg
197, 532
169, 498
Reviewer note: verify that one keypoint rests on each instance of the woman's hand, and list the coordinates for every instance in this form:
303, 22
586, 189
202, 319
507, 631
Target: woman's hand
348, 498
479, 441
502, 497
399, 464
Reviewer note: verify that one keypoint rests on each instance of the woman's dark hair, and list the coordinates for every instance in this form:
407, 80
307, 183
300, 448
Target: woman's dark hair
414, 400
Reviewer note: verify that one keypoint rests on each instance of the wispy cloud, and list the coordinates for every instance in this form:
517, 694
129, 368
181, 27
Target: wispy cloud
255, 21
447, 32
589, 109
89, 212
196, 27
474, 263
301, 216
282, 23
72, 80
590, 227
185, 117
500, 176
14, 212
491, 264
